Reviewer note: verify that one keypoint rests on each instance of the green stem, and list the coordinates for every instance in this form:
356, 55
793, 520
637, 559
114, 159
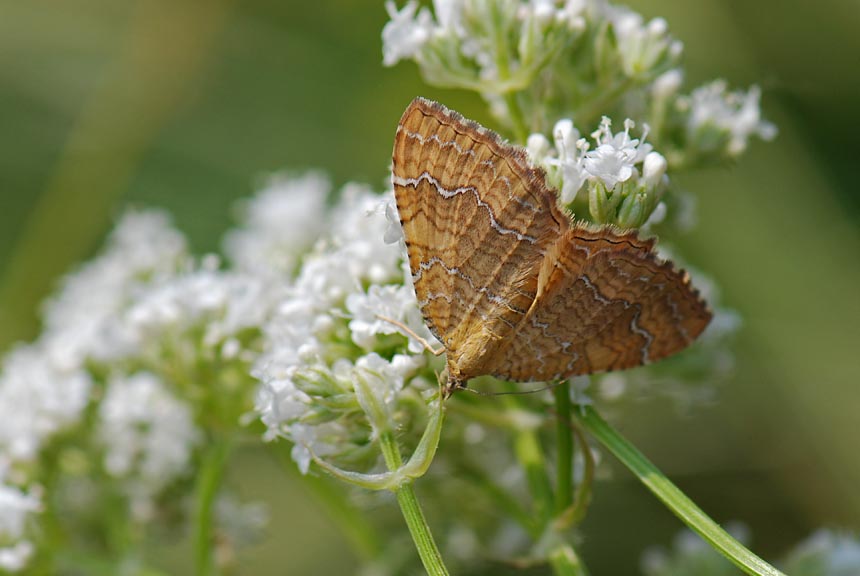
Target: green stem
583, 491
208, 484
518, 122
529, 453
672, 497
565, 562
420, 531
411, 509
564, 446
503, 64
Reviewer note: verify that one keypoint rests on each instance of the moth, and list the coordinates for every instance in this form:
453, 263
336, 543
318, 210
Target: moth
507, 283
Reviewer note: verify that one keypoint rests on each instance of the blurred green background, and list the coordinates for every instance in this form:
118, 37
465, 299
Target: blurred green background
185, 105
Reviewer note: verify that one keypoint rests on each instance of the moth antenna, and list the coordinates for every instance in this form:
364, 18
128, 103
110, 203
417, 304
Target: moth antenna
410, 332
513, 392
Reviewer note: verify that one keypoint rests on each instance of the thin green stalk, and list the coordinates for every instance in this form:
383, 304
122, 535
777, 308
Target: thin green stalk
206, 490
411, 509
672, 497
503, 64
565, 562
515, 114
427, 549
564, 447
583, 491
529, 453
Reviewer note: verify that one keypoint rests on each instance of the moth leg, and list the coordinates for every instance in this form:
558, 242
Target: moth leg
409, 331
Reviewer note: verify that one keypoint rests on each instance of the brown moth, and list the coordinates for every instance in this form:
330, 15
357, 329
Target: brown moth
503, 278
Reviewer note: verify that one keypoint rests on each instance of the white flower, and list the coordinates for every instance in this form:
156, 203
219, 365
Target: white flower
16, 507
387, 376
148, 434
406, 33
615, 156
736, 113
396, 302
394, 232
358, 236
218, 304
654, 169
565, 163
81, 321
279, 224
538, 148
312, 379
546, 12
668, 83
38, 398
571, 149
614, 159
15, 558
641, 45
836, 554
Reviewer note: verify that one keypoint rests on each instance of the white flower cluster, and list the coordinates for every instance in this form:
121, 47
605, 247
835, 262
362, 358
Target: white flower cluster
825, 553
624, 177
279, 224
148, 436
130, 329
327, 334
691, 556
539, 60
45, 386
641, 45
717, 117
81, 320
38, 398
460, 46
16, 506
206, 308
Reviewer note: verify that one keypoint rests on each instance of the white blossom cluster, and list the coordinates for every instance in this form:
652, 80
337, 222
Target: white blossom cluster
148, 435
38, 398
458, 48
280, 224
535, 61
723, 118
327, 332
534, 47
623, 177
127, 334
16, 507
46, 386
824, 553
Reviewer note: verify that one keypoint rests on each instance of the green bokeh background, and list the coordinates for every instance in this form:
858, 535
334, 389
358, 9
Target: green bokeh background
186, 104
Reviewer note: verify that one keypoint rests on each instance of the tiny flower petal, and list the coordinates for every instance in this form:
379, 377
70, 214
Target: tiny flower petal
406, 33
